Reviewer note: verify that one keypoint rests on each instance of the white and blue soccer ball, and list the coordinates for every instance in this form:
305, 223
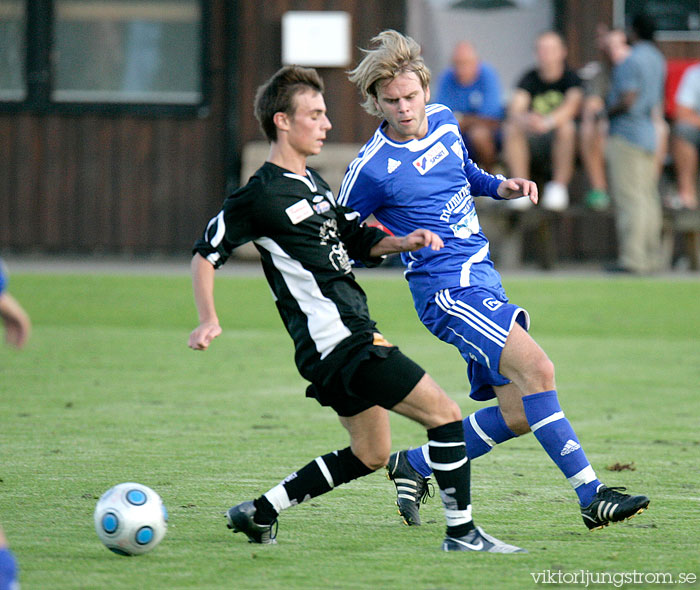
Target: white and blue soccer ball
130, 519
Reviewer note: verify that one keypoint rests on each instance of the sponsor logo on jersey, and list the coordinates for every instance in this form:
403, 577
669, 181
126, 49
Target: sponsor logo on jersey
299, 211
392, 165
322, 207
491, 303
329, 232
431, 158
338, 256
570, 447
460, 201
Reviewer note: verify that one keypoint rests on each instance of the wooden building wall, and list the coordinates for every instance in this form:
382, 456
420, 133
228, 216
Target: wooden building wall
579, 19
136, 184
113, 183
258, 57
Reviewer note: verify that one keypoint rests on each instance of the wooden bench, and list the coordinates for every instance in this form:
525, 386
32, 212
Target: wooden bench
682, 226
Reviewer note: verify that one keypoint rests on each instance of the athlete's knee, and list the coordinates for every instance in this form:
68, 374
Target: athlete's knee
373, 458
543, 369
447, 411
517, 422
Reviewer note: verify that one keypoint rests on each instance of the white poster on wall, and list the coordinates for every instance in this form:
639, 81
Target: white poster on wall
316, 39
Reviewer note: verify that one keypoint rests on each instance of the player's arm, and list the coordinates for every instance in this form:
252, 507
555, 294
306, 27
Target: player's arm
203, 287
225, 232
514, 188
417, 239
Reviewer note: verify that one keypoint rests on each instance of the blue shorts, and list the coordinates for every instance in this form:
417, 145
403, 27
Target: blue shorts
477, 321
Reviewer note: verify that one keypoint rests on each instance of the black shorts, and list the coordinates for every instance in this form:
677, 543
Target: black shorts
379, 376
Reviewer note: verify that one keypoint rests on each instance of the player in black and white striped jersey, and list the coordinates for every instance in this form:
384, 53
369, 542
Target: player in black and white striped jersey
306, 242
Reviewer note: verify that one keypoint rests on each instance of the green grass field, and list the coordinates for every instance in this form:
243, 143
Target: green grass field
107, 391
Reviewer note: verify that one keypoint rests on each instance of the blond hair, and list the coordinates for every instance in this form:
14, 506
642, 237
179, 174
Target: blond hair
394, 54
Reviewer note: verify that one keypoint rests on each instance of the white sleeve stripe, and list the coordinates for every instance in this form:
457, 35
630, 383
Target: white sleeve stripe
220, 229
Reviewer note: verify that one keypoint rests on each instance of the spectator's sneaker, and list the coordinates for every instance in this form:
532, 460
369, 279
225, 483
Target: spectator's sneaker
597, 199
411, 488
555, 196
609, 505
240, 519
478, 540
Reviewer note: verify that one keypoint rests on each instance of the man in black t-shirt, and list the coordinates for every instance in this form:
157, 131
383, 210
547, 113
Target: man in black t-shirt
541, 121
306, 242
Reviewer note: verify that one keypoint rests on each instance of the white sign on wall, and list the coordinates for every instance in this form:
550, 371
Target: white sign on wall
316, 38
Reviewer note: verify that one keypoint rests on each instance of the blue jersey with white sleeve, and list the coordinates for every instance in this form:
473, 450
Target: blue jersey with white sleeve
427, 183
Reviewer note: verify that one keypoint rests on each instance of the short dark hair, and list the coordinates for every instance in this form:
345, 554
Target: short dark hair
644, 26
277, 95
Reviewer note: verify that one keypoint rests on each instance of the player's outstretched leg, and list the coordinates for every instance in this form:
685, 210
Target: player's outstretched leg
411, 487
609, 505
258, 518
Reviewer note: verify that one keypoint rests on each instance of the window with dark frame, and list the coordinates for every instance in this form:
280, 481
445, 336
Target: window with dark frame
124, 55
676, 20
13, 86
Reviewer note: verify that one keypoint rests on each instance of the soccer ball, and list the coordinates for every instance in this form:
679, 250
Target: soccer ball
130, 519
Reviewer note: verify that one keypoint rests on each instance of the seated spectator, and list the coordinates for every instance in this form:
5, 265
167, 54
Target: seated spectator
685, 142
541, 120
472, 89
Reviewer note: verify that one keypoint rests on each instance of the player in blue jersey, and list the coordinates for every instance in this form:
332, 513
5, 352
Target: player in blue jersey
18, 326
415, 172
8, 566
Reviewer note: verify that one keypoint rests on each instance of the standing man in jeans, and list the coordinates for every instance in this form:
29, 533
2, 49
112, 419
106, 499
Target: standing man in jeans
636, 92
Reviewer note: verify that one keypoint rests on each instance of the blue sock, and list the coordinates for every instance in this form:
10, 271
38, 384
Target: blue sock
557, 437
483, 430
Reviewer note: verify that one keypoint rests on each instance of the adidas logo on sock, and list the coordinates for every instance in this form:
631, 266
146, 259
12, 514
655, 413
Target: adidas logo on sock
570, 447
392, 165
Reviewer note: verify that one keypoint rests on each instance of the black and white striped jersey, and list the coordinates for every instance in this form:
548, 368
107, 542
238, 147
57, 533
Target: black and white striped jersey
307, 243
